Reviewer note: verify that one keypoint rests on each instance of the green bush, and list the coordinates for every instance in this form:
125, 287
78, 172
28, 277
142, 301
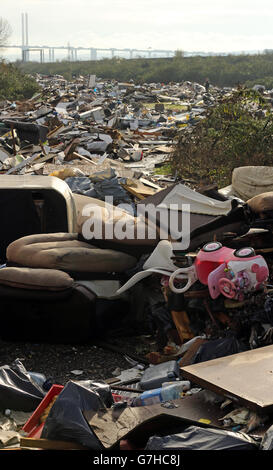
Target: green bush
14, 84
236, 132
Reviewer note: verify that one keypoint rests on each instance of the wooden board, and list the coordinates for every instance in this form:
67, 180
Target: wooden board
50, 444
246, 378
139, 190
139, 423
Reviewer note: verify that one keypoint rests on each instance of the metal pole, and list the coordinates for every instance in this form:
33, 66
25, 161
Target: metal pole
23, 30
23, 36
26, 23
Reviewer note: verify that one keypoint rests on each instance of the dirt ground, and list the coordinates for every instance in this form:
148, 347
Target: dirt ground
64, 362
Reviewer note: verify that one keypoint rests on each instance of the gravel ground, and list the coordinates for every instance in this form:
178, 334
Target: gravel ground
57, 361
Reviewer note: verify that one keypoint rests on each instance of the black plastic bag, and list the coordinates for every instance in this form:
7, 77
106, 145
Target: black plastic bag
18, 391
217, 348
66, 421
267, 441
112, 187
196, 438
81, 185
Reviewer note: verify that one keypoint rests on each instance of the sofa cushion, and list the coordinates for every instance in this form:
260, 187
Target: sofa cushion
29, 278
65, 252
250, 181
261, 203
113, 219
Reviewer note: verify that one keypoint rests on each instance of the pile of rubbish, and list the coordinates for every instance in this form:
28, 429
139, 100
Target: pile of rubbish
89, 124
92, 235
163, 412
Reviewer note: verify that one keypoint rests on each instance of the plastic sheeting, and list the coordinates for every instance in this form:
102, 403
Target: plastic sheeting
217, 348
112, 187
196, 438
17, 389
81, 185
99, 189
267, 442
199, 203
66, 421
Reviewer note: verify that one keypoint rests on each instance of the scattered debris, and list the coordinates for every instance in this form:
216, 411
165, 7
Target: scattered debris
201, 314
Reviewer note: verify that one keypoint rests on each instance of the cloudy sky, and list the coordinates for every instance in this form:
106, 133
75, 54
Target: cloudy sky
190, 25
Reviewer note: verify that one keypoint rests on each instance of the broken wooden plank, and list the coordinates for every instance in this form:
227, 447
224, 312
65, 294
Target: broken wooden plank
45, 158
149, 183
56, 131
138, 189
245, 378
36, 168
70, 149
50, 444
21, 165
133, 191
182, 324
76, 155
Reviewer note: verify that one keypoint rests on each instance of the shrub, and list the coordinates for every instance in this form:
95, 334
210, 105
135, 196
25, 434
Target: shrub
238, 131
14, 84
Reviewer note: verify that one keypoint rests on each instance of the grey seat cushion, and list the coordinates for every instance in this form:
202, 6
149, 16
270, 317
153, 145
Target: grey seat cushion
261, 203
63, 251
38, 279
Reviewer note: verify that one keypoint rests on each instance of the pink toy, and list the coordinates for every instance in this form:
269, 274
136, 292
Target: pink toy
232, 273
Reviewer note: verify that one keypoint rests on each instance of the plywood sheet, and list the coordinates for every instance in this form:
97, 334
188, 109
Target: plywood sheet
139, 423
245, 377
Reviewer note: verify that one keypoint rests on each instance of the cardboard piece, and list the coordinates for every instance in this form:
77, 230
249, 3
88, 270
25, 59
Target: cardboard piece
49, 444
139, 423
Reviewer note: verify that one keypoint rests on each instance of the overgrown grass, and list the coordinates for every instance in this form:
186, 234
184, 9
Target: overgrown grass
165, 169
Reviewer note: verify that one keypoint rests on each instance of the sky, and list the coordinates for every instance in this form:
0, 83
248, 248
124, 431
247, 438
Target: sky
189, 25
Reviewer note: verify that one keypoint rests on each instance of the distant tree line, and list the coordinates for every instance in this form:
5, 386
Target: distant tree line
222, 71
